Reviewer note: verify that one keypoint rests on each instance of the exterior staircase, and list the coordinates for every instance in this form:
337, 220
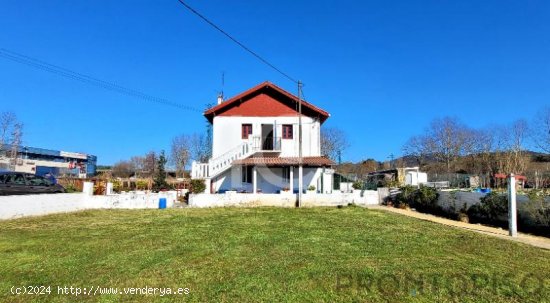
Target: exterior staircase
218, 165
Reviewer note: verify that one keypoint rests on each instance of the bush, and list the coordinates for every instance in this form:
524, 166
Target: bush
311, 187
491, 208
357, 184
197, 186
538, 208
424, 199
117, 186
141, 184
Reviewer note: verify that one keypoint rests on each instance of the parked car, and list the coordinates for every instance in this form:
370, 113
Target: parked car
13, 183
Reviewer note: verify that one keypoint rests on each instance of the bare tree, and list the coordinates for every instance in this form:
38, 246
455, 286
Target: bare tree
11, 134
333, 142
179, 153
149, 164
199, 147
509, 153
138, 163
446, 139
416, 147
123, 169
540, 129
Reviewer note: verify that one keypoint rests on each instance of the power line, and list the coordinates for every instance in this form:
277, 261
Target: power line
237, 41
67, 73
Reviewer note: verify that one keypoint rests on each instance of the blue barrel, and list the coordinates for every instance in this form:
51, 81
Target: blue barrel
162, 203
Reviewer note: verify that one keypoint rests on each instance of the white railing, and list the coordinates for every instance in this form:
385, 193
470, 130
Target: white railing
219, 164
199, 170
223, 162
272, 144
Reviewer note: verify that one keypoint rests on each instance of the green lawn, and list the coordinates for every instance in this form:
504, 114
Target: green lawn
266, 254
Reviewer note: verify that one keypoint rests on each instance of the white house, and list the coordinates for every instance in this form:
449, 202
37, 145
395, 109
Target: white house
255, 144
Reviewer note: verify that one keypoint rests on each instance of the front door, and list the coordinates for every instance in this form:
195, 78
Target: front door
267, 136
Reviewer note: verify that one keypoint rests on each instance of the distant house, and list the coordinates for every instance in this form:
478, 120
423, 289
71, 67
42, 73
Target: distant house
255, 144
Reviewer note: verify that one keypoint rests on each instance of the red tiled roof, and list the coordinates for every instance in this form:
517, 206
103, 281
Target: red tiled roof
307, 107
282, 161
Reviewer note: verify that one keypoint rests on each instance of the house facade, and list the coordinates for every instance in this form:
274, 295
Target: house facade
256, 148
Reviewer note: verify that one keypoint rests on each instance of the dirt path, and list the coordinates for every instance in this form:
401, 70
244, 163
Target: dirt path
541, 242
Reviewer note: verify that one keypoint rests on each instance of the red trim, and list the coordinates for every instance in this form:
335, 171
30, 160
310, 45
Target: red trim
504, 176
309, 108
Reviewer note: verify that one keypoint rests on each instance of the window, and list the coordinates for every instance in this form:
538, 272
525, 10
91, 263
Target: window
246, 130
247, 174
286, 174
16, 179
287, 131
37, 181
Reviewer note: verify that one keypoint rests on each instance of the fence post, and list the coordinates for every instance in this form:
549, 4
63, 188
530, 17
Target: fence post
512, 212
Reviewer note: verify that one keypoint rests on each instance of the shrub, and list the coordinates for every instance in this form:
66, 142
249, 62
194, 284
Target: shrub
311, 187
423, 199
197, 186
538, 208
357, 184
491, 208
141, 184
405, 196
117, 185
71, 188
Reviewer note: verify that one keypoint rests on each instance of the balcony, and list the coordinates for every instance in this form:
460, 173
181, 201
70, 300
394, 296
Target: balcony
266, 144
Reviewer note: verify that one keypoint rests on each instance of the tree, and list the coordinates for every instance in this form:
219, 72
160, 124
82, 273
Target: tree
540, 129
160, 174
446, 139
200, 147
123, 169
179, 155
416, 147
138, 163
149, 163
333, 142
11, 134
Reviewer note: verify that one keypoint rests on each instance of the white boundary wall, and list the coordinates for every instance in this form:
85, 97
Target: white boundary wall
233, 199
18, 206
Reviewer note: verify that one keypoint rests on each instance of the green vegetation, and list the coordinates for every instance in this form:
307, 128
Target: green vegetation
197, 186
159, 181
265, 254
423, 199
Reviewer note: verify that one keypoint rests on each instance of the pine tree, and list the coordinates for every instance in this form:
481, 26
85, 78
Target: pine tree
160, 174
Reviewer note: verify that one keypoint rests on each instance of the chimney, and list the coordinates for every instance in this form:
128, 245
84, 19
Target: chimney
220, 98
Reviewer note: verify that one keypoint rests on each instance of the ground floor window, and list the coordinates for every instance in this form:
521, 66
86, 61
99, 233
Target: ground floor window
247, 174
286, 174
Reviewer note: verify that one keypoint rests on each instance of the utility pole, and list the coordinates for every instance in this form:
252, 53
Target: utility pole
300, 160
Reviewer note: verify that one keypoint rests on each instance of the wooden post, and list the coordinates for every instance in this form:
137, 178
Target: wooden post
512, 211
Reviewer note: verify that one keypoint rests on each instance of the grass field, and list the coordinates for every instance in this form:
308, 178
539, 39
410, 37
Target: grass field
264, 254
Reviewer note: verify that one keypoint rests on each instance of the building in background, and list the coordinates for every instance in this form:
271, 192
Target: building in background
41, 161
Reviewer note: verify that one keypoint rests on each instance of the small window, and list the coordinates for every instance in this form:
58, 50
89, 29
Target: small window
287, 131
246, 130
247, 174
286, 174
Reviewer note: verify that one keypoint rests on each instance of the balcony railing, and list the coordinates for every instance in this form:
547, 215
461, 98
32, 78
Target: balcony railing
266, 144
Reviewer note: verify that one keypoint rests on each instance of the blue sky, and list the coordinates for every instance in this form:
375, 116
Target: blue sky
383, 69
